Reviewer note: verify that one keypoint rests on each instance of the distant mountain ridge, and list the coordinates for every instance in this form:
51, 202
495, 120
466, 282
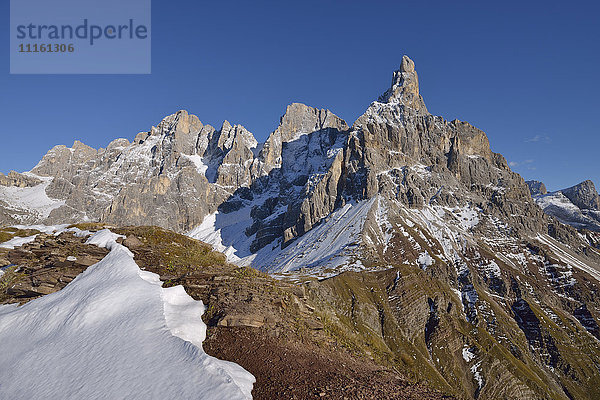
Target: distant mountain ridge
578, 206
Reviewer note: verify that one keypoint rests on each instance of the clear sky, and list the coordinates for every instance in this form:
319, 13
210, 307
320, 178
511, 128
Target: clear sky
525, 72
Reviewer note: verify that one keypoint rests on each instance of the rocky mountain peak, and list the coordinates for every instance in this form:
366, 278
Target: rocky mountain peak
80, 146
407, 65
60, 159
180, 122
583, 195
576, 206
298, 120
536, 188
168, 122
233, 136
226, 126
405, 87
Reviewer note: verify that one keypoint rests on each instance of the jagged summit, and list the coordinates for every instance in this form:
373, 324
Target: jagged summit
405, 87
298, 120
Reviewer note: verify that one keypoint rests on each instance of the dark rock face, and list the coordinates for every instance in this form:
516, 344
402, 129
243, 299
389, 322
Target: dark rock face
539, 341
585, 317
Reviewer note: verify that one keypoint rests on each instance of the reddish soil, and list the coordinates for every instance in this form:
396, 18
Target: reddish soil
291, 370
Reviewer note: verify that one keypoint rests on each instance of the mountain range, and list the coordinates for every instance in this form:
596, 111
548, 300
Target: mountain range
419, 245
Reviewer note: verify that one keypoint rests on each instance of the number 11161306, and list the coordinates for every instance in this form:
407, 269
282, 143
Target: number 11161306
46, 48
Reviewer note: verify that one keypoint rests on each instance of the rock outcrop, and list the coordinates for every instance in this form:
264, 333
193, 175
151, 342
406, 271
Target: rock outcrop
536, 188
405, 87
16, 179
583, 196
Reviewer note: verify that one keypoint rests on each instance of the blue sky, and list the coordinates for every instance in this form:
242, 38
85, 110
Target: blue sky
524, 72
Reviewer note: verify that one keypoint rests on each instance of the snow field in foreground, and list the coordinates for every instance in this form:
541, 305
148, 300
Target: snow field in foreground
113, 333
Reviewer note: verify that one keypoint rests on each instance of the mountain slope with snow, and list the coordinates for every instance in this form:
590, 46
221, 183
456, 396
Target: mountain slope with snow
578, 206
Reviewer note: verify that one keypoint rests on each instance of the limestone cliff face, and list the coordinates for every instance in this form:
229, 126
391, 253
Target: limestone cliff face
297, 121
62, 161
299, 170
235, 144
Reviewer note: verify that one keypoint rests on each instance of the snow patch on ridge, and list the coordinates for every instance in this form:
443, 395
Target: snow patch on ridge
18, 241
105, 238
55, 229
47, 229
225, 232
467, 354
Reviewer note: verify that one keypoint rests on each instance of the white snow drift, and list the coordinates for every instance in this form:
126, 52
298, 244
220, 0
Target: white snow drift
113, 333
